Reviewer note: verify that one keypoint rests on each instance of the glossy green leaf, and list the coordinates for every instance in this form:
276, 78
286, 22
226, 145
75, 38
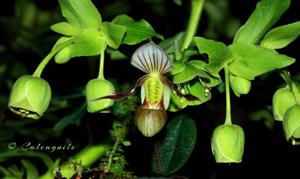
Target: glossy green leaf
173, 151
265, 15
280, 37
197, 89
113, 34
31, 170
257, 59
65, 28
171, 45
81, 13
137, 31
188, 73
218, 53
88, 43
72, 118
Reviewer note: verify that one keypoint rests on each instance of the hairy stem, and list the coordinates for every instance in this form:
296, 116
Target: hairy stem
195, 15
227, 91
45, 61
111, 155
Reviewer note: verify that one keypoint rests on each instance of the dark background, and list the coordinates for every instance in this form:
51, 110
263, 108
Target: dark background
267, 154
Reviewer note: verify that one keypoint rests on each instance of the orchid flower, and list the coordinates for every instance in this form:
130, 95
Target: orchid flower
156, 89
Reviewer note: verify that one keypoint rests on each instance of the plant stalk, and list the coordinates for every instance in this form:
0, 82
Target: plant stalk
45, 61
227, 91
101, 63
195, 15
111, 155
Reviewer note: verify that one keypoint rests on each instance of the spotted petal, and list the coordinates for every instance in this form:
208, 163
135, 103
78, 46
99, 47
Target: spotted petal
151, 58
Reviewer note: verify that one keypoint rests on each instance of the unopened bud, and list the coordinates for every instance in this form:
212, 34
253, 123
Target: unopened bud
30, 97
95, 90
228, 143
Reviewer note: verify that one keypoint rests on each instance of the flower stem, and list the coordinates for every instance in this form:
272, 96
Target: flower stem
44, 62
111, 155
227, 91
101, 64
195, 15
287, 78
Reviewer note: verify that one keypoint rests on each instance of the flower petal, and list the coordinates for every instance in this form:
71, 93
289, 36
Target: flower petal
151, 58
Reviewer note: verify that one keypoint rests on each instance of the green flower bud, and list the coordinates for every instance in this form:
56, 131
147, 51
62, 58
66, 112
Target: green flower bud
30, 97
64, 55
239, 85
228, 143
95, 89
283, 99
291, 124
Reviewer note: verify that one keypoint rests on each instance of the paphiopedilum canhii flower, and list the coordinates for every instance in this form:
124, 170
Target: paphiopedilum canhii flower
156, 89
30, 97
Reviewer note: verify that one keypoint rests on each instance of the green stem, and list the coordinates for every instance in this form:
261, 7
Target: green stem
111, 155
287, 78
42, 65
227, 91
195, 15
101, 64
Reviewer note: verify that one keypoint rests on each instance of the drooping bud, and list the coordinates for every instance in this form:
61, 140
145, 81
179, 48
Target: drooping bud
95, 90
228, 143
150, 121
30, 97
291, 124
64, 55
283, 99
239, 85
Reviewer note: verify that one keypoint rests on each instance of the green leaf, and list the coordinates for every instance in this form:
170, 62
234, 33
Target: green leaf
113, 34
81, 13
218, 54
197, 89
31, 170
88, 43
188, 73
72, 118
256, 59
176, 147
280, 37
137, 31
265, 15
26, 153
65, 28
